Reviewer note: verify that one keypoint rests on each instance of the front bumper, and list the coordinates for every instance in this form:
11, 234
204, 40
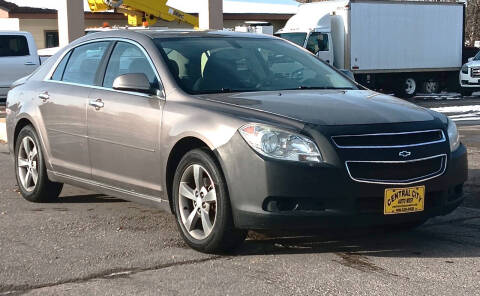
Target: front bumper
326, 195
467, 81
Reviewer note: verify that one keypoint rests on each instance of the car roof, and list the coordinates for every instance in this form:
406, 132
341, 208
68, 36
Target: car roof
176, 33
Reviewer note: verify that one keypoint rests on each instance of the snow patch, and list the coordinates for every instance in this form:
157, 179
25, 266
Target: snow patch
458, 109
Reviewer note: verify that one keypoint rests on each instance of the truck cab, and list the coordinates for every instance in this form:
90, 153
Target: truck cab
18, 58
317, 41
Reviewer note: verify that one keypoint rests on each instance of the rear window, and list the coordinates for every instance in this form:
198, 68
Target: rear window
13, 46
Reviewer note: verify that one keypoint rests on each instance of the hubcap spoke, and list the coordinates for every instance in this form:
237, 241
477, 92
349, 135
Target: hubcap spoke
34, 152
28, 176
191, 220
197, 176
26, 146
23, 163
207, 225
186, 191
34, 176
211, 196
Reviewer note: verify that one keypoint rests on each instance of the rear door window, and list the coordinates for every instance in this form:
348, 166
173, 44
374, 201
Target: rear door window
84, 62
13, 46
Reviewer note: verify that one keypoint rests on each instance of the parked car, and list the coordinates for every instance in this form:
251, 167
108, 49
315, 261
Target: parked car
470, 76
18, 58
230, 132
400, 46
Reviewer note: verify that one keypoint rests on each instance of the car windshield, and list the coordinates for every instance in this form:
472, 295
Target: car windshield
229, 64
477, 57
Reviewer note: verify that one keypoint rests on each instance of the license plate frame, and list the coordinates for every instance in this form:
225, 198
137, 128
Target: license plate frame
404, 200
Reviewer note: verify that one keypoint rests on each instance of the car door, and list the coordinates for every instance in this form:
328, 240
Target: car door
63, 106
124, 127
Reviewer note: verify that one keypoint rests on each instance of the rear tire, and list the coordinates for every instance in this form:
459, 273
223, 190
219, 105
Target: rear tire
30, 169
202, 205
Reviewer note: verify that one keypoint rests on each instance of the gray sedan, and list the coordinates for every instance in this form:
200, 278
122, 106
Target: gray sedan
229, 132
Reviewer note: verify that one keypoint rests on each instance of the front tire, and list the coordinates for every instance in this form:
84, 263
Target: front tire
409, 87
466, 92
31, 173
202, 205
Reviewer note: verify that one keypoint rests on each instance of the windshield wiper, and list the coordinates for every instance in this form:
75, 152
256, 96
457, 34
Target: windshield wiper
320, 87
225, 90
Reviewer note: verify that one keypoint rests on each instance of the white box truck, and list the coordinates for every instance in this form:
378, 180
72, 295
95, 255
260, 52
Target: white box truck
400, 46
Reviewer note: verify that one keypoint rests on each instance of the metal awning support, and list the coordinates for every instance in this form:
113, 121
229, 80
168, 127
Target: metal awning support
211, 14
71, 22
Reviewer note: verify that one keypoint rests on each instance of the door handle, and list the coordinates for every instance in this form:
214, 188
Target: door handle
29, 64
97, 104
44, 96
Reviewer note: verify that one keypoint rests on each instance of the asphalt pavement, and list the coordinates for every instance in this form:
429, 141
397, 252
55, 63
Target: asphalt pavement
91, 244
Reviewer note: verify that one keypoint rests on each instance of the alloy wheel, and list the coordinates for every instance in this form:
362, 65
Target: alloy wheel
197, 201
27, 164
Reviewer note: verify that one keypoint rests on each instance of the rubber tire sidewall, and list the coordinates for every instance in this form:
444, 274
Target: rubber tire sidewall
41, 189
223, 236
403, 91
466, 92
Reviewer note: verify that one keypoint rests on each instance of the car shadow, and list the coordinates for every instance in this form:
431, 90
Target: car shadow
442, 240
89, 198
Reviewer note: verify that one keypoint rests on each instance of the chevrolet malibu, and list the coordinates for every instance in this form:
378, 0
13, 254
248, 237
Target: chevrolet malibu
229, 132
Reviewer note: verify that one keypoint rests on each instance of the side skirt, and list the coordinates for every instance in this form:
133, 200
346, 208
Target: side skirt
148, 200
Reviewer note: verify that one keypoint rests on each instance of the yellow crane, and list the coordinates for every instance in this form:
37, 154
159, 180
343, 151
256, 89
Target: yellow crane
144, 12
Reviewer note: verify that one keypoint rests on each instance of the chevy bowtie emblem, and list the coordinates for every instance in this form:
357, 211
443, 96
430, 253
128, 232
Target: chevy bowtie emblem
405, 153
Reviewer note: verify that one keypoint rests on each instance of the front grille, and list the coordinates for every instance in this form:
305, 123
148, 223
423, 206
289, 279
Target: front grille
397, 172
390, 140
475, 72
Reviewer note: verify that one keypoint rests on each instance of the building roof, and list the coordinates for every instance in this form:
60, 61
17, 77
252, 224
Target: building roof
14, 8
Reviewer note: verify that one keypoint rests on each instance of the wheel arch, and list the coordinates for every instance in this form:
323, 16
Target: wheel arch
182, 147
23, 121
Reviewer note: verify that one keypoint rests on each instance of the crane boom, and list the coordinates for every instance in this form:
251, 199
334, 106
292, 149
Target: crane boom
144, 12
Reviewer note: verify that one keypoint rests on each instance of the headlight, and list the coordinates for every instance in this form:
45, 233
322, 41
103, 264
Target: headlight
453, 135
464, 69
280, 144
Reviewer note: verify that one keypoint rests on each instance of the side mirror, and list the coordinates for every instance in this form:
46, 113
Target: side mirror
348, 73
137, 82
470, 59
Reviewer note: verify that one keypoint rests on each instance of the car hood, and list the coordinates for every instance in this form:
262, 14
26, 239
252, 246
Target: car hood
328, 107
474, 64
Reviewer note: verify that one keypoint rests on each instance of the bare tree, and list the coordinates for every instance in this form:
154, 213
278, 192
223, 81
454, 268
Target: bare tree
472, 22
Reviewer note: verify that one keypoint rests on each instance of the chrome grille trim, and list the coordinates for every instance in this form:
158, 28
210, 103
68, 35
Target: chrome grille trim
402, 182
475, 72
443, 139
